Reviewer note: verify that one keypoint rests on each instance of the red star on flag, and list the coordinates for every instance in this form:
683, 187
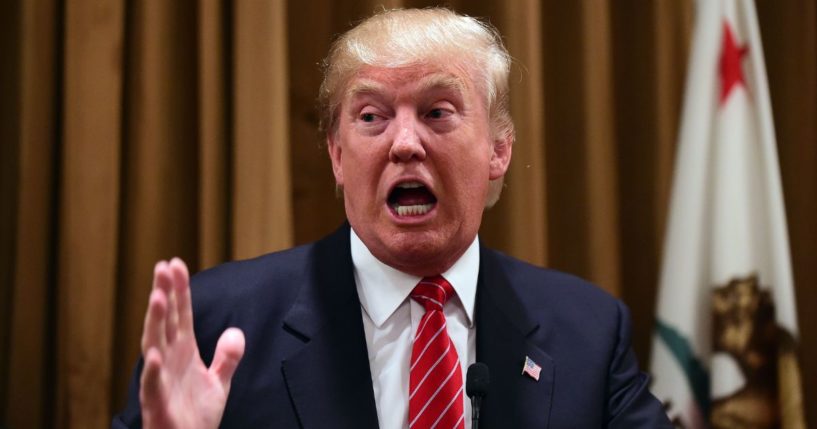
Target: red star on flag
731, 55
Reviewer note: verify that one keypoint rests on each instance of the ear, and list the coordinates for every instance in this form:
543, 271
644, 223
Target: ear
335, 154
501, 156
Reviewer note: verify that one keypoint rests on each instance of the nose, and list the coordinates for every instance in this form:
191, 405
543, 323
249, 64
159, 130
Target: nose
407, 144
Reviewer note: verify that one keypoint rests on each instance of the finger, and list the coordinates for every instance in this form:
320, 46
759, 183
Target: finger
153, 331
229, 350
182, 288
172, 319
151, 394
153, 334
163, 280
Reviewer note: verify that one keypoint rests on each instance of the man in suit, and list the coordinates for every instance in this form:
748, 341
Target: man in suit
375, 325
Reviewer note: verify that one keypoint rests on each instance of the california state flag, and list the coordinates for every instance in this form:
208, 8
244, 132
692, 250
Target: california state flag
724, 351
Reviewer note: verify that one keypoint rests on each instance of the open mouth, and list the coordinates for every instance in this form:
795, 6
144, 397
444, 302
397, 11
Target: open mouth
411, 199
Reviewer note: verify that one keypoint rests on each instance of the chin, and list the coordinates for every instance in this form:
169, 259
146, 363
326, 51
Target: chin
414, 244
421, 253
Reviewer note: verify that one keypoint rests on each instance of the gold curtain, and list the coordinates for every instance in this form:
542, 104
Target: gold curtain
137, 130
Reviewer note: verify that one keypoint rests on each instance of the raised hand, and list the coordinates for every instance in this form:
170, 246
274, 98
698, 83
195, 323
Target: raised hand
177, 389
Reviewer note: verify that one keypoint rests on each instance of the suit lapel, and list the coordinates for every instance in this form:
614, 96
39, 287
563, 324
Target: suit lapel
503, 341
329, 380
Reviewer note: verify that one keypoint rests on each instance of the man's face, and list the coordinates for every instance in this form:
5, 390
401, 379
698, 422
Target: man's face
413, 151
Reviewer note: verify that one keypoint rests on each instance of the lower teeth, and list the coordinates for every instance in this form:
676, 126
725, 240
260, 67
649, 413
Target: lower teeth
414, 210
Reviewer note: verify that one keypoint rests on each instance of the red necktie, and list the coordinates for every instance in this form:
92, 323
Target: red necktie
435, 377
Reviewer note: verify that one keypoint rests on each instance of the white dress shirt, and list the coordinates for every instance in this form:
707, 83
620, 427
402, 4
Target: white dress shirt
391, 317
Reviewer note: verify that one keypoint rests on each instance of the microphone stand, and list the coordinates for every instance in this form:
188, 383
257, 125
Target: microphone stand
476, 402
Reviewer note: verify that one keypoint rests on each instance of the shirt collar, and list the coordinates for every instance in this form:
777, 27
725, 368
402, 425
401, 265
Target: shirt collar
382, 289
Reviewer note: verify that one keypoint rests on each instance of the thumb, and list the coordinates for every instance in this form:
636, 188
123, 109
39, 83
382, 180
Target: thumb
229, 350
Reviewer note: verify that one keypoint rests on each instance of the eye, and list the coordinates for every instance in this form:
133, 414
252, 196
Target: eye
371, 120
440, 111
437, 113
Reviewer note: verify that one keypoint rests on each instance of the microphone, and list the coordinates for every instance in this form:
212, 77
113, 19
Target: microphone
476, 387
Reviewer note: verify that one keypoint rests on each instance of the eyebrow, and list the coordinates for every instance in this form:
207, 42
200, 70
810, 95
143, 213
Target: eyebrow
442, 81
363, 87
436, 81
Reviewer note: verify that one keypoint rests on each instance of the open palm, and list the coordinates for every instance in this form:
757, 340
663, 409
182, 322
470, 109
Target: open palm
177, 389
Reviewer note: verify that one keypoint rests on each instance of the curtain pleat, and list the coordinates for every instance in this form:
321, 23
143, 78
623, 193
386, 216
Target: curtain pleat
10, 33
213, 129
565, 136
159, 164
139, 131
28, 352
262, 208
601, 195
650, 46
525, 193
789, 34
671, 23
88, 211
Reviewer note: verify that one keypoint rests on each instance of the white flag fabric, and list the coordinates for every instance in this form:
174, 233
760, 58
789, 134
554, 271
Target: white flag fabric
724, 347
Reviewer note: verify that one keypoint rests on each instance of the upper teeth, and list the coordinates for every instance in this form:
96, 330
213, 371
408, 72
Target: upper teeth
410, 185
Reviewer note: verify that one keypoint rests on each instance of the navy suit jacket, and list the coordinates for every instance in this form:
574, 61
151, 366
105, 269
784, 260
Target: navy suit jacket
306, 363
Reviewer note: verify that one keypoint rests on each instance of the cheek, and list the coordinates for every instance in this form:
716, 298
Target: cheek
468, 182
472, 167
362, 169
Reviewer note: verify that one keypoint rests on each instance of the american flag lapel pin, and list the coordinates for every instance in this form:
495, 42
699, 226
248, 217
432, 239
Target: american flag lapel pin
531, 369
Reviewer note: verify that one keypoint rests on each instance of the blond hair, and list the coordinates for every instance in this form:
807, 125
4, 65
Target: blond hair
405, 37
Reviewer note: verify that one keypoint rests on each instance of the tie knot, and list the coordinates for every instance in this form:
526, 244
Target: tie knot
432, 292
